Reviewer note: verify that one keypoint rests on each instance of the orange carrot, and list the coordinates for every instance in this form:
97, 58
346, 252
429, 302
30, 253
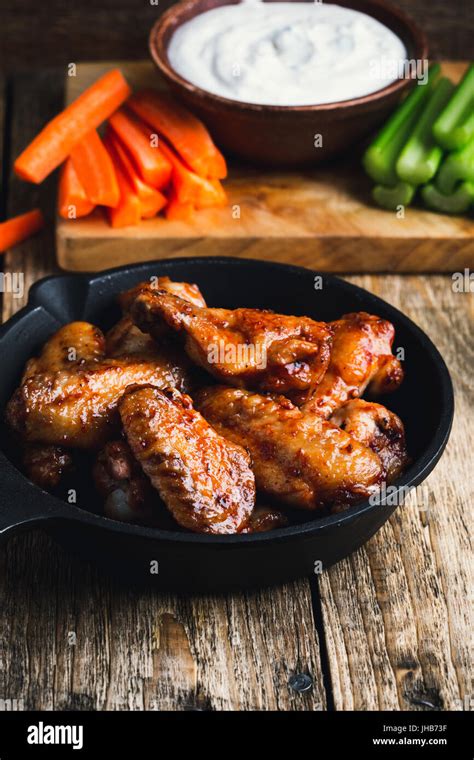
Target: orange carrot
182, 129
154, 168
189, 187
128, 211
72, 199
15, 230
95, 170
151, 200
55, 142
179, 212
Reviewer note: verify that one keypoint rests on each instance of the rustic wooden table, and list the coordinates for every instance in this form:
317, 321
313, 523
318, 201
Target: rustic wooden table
387, 628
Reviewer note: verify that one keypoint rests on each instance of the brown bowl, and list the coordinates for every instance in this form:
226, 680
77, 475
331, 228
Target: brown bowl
285, 135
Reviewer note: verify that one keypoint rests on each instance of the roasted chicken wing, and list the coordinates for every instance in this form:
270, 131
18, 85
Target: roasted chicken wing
77, 407
71, 346
204, 479
361, 358
185, 290
244, 347
298, 459
379, 429
74, 343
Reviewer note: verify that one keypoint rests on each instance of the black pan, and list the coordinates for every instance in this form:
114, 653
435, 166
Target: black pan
192, 562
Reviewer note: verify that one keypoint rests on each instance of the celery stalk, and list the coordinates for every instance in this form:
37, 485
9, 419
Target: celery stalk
421, 156
455, 203
455, 125
381, 155
457, 166
393, 197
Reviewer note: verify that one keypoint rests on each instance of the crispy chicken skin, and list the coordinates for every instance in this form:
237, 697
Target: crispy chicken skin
74, 343
77, 407
185, 290
379, 429
361, 358
204, 479
246, 348
298, 459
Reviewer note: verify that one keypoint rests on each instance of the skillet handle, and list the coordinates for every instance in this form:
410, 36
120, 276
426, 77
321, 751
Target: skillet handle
23, 505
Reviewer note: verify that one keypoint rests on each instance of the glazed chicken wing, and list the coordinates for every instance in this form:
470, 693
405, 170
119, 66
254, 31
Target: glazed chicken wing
243, 347
204, 479
74, 343
185, 290
77, 407
379, 429
298, 459
361, 358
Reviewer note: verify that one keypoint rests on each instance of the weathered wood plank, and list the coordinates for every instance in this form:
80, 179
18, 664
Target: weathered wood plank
77, 640
397, 614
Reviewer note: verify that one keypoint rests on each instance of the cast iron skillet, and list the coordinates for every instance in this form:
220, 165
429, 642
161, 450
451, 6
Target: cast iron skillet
192, 562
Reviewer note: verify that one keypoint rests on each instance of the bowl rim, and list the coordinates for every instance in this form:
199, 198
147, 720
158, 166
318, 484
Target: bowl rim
414, 475
158, 53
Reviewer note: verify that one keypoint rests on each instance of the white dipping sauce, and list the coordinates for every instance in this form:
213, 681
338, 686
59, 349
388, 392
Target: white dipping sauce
286, 54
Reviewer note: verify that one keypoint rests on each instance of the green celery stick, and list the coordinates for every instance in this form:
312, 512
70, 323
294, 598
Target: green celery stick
421, 156
393, 197
455, 203
455, 124
381, 155
457, 166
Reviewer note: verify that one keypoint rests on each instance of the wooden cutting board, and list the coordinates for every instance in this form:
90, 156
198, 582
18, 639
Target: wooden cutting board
322, 218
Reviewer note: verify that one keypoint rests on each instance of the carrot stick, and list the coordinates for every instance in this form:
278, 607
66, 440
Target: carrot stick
72, 199
179, 212
128, 211
55, 142
95, 170
19, 228
154, 168
189, 187
182, 129
151, 200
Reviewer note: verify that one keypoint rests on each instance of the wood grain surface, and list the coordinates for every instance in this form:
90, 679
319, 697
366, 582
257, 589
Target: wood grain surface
322, 217
389, 627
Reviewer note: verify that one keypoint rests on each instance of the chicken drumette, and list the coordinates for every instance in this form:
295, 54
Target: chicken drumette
205, 480
247, 348
361, 358
186, 290
299, 459
379, 429
71, 346
77, 407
